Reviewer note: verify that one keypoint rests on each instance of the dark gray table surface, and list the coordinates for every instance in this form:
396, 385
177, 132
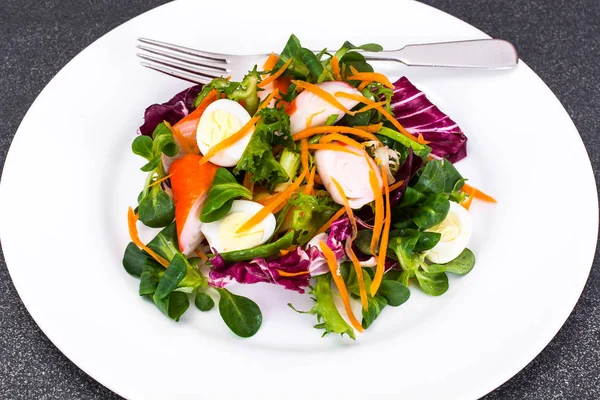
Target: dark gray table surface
559, 39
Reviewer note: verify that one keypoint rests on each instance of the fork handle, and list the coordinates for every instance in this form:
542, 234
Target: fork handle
480, 54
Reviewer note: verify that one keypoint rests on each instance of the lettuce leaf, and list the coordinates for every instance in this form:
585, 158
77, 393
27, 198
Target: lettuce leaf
310, 213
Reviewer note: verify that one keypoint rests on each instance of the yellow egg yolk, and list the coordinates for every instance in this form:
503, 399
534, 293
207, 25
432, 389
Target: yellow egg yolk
449, 228
230, 240
217, 126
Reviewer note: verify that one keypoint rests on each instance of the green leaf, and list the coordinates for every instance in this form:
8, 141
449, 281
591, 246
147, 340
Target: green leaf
439, 176
164, 141
152, 164
258, 158
290, 161
363, 241
461, 265
313, 64
365, 47
427, 241
376, 305
246, 91
331, 120
432, 283
394, 292
204, 302
241, 315
404, 247
405, 277
220, 84
174, 274
420, 150
262, 251
310, 213
165, 242
142, 146
411, 197
149, 279
328, 316
432, 211
156, 209
355, 60
134, 260
174, 305
223, 191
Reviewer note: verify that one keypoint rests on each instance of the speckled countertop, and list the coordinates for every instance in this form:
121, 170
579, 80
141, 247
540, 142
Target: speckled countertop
559, 39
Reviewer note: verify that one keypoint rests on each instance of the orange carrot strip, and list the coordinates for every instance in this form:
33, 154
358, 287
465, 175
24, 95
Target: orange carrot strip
230, 140
370, 128
266, 210
379, 210
160, 180
478, 194
370, 106
340, 138
335, 68
318, 179
200, 254
396, 185
363, 85
270, 63
334, 129
328, 97
135, 238
330, 146
357, 267
339, 283
270, 97
304, 154
311, 181
283, 273
421, 139
266, 200
382, 110
369, 77
467, 203
384, 238
310, 118
276, 75
331, 220
248, 184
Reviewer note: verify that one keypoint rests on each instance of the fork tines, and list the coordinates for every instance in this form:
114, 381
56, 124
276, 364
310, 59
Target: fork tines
183, 62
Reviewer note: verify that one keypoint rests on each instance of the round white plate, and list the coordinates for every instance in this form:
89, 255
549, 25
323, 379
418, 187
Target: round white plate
70, 176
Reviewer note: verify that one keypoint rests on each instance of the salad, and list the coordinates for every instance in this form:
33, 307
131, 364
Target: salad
313, 173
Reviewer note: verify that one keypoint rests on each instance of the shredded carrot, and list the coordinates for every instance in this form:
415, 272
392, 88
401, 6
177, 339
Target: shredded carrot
340, 138
248, 184
467, 203
135, 238
328, 97
311, 181
421, 139
266, 200
478, 194
335, 68
277, 201
370, 106
382, 110
283, 252
270, 97
363, 85
379, 210
318, 179
370, 128
283, 273
156, 182
357, 267
331, 220
334, 129
330, 146
270, 63
310, 118
230, 140
304, 154
276, 75
200, 254
384, 238
279, 207
339, 283
369, 77
396, 185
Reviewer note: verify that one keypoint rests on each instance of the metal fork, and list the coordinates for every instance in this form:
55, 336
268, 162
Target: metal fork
202, 66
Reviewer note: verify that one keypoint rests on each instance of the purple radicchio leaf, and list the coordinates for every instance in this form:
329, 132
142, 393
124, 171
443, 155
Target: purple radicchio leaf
172, 111
420, 116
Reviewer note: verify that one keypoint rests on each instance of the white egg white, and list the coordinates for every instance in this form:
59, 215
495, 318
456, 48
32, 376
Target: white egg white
230, 156
221, 235
456, 232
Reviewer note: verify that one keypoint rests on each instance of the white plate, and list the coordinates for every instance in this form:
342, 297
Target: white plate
70, 176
